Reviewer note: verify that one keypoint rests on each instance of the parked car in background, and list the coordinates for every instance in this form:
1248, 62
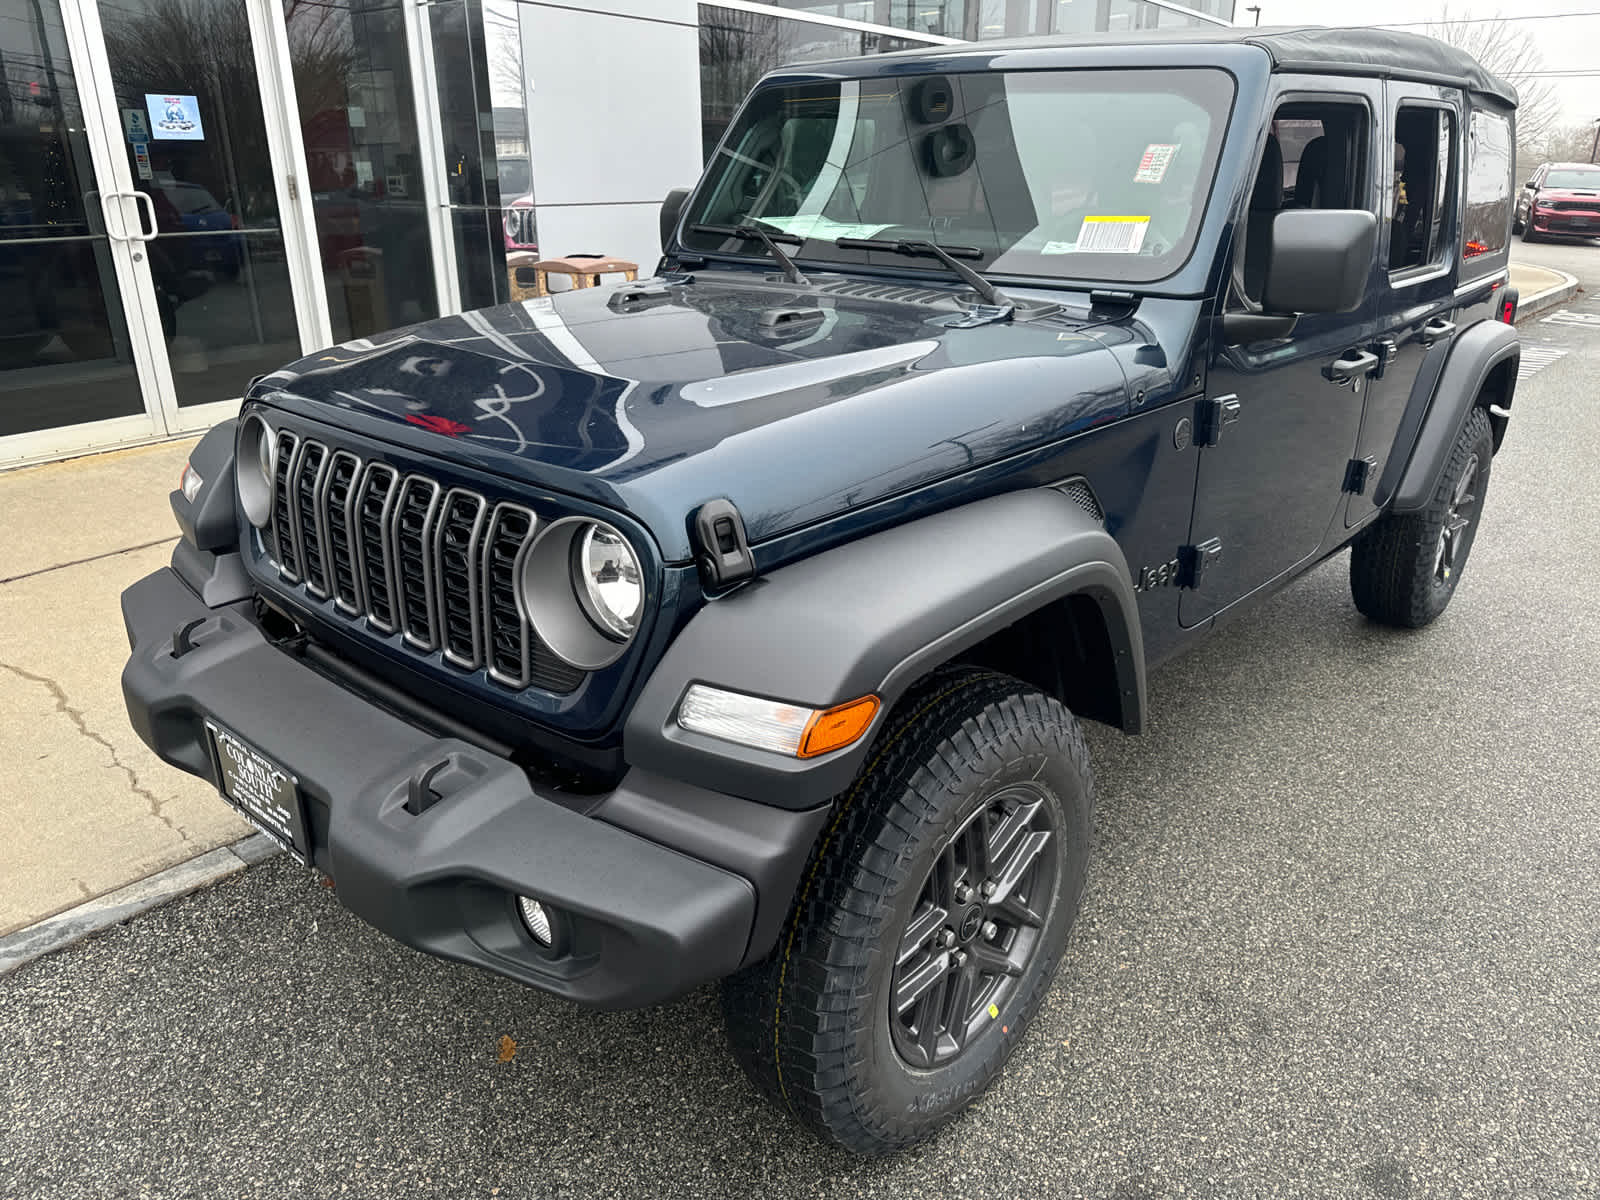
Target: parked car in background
1560, 198
191, 209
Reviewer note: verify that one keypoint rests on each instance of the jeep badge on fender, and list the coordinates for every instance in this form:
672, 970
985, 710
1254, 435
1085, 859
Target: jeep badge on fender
739, 624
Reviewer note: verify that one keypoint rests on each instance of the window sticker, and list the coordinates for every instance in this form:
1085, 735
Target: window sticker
1153, 165
1112, 235
1058, 247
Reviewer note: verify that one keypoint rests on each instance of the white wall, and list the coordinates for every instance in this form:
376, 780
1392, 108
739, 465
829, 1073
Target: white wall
613, 120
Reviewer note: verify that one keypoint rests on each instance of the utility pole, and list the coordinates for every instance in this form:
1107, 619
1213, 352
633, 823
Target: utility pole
1255, 8
1596, 145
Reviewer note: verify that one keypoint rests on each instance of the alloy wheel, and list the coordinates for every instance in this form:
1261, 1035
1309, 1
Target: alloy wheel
1457, 523
975, 927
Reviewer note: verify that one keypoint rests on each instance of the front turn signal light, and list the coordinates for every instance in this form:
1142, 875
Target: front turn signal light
789, 729
838, 727
190, 483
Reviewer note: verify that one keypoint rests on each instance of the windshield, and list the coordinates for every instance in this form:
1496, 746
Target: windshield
1575, 177
1099, 175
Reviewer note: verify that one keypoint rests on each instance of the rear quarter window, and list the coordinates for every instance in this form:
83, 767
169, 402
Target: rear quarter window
1487, 220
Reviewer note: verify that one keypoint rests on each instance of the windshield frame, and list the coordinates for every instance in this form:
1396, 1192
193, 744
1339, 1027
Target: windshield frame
1224, 112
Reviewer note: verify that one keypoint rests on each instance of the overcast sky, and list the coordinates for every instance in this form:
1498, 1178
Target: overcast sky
1569, 42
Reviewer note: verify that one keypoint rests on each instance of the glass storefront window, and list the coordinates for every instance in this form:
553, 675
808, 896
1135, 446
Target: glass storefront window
477, 54
363, 162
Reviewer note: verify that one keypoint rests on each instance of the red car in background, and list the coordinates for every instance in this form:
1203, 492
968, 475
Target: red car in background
1560, 198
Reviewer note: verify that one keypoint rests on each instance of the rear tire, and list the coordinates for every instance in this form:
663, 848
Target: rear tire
1405, 567
931, 920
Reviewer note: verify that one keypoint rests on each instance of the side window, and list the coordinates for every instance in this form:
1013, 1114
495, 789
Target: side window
1424, 143
1315, 157
1488, 210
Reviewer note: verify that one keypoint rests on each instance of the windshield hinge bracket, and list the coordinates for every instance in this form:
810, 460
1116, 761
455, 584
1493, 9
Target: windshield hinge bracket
722, 551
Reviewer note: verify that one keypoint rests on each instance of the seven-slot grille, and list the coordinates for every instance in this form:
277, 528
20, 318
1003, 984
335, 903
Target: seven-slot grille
439, 567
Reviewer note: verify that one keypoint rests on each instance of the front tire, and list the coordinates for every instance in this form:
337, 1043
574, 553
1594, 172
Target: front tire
931, 920
1405, 567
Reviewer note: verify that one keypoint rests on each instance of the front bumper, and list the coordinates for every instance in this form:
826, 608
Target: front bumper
1579, 224
639, 921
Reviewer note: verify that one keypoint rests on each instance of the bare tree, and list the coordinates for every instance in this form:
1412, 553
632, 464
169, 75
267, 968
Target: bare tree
1509, 51
1572, 143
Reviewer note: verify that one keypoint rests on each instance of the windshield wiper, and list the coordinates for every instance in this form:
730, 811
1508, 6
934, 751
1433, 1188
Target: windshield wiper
945, 254
769, 240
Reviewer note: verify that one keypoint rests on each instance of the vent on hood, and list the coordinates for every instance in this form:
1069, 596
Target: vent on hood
862, 290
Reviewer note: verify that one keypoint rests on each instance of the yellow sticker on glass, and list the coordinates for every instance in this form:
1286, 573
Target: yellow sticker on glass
994, 1012
1112, 235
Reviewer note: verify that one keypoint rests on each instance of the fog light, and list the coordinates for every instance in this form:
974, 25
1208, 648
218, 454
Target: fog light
536, 919
190, 483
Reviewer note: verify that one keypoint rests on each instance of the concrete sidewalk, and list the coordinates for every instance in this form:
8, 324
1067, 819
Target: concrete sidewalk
1540, 289
86, 807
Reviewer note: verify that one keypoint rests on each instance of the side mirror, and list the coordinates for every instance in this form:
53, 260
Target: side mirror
671, 210
1320, 260
1530, 184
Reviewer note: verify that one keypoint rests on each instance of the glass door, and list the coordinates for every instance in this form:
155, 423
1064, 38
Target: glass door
194, 146
67, 354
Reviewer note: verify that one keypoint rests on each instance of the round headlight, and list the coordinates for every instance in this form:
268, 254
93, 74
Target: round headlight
255, 463
582, 589
608, 581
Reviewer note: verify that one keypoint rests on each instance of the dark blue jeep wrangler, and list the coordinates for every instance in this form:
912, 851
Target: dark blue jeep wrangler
738, 624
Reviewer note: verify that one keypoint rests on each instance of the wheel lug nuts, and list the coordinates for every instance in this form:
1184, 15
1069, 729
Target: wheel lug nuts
988, 888
947, 938
963, 893
960, 958
989, 930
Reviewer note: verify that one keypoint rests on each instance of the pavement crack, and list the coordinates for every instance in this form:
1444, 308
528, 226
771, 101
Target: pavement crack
63, 706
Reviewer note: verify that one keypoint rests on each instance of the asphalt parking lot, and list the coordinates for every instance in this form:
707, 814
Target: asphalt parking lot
1341, 938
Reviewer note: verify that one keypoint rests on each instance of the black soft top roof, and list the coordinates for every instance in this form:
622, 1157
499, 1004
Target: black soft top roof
1387, 53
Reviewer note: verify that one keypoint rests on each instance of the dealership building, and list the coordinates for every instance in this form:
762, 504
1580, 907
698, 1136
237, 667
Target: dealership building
195, 192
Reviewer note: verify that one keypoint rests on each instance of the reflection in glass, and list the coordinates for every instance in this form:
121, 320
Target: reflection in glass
363, 163
477, 55
64, 350
737, 48
217, 252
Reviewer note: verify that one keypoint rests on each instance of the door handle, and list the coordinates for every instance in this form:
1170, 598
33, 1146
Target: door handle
1351, 367
149, 205
112, 202
1436, 329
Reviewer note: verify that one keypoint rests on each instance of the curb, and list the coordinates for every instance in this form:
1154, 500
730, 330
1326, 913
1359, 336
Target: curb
65, 928
1551, 297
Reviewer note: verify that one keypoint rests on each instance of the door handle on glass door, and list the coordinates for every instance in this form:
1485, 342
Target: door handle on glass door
112, 202
1351, 367
149, 205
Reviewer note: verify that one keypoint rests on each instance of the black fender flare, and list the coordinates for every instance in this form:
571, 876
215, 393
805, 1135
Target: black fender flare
1475, 353
873, 616
208, 523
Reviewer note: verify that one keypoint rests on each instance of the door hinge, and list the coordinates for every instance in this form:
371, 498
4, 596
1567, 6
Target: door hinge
722, 552
1358, 472
1211, 415
1195, 562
